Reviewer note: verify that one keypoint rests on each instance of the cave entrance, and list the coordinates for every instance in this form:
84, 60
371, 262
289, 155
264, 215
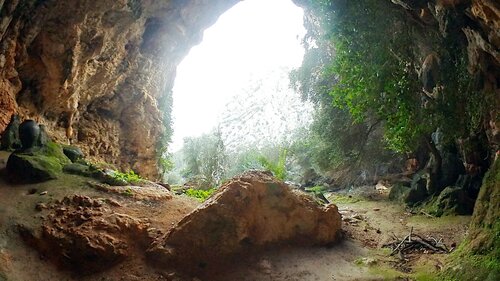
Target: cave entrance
231, 97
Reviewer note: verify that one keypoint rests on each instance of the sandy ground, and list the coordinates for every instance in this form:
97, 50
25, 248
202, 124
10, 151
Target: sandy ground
377, 221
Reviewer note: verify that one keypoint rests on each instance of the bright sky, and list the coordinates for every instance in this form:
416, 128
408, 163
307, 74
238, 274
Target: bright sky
249, 41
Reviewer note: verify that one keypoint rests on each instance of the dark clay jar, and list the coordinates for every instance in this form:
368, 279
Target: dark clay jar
28, 133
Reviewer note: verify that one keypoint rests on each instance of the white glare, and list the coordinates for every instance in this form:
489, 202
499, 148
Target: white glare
251, 40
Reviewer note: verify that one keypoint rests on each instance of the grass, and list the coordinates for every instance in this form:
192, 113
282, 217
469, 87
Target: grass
200, 195
343, 199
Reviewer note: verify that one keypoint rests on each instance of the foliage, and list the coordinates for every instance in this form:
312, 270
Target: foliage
129, 176
205, 157
278, 168
200, 195
128, 192
164, 158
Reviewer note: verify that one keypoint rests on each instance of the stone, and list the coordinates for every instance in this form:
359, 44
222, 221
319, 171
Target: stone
418, 191
29, 133
251, 211
84, 236
105, 91
43, 137
78, 169
37, 164
451, 168
398, 192
451, 201
10, 137
73, 153
32, 168
40, 206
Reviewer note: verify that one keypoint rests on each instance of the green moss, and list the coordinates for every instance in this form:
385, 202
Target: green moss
316, 189
343, 199
478, 257
55, 150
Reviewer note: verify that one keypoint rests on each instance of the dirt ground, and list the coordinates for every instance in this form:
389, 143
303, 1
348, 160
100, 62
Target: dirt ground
368, 224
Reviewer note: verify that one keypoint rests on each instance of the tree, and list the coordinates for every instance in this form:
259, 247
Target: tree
205, 158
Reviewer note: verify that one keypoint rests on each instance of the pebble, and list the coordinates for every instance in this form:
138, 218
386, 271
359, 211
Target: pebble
40, 206
113, 202
43, 192
265, 266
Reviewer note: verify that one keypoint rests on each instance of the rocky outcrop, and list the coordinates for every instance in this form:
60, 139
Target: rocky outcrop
247, 213
36, 164
86, 235
98, 73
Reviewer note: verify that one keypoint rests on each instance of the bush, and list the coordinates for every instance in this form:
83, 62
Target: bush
200, 195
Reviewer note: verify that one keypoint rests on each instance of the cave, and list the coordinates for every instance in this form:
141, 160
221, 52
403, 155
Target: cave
99, 75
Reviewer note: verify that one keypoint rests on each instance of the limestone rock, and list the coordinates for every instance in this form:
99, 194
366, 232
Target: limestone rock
99, 73
251, 211
418, 191
78, 169
10, 137
399, 192
451, 201
73, 153
86, 236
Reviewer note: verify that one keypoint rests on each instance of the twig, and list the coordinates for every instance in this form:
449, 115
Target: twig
426, 214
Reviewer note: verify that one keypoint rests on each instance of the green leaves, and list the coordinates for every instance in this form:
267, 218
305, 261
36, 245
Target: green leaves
279, 168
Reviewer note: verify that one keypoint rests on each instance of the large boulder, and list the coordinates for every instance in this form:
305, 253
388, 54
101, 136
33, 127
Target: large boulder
419, 188
249, 212
451, 201
399, 192
36, 164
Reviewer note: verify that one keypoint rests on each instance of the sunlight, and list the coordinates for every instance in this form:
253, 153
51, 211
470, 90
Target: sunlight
248, 43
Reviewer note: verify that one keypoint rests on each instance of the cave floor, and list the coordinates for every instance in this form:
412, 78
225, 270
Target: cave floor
368, 224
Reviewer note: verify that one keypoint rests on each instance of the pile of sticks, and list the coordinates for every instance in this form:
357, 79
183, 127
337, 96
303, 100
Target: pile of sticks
416, 243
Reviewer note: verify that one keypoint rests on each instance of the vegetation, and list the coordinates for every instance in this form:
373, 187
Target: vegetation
200, 195
279, 168
130, 177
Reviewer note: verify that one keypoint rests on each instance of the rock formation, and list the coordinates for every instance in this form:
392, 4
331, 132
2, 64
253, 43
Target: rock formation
85, 234
247, 213
100, 72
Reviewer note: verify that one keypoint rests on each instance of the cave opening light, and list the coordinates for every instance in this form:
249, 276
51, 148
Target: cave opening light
250, 49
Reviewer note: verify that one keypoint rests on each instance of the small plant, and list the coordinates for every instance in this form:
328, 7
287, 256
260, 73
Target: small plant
128, 192
130, 177
200, 195
278, 169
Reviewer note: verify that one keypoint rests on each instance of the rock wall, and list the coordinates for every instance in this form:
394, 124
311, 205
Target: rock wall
99, 72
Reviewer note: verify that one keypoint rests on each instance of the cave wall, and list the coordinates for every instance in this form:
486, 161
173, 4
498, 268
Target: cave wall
99, 72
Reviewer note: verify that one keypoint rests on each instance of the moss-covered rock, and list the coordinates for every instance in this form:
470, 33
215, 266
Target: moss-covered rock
418, 191
37, 164
451, 201
78, 169
32, 168
73, 153
478, 257
399, 192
